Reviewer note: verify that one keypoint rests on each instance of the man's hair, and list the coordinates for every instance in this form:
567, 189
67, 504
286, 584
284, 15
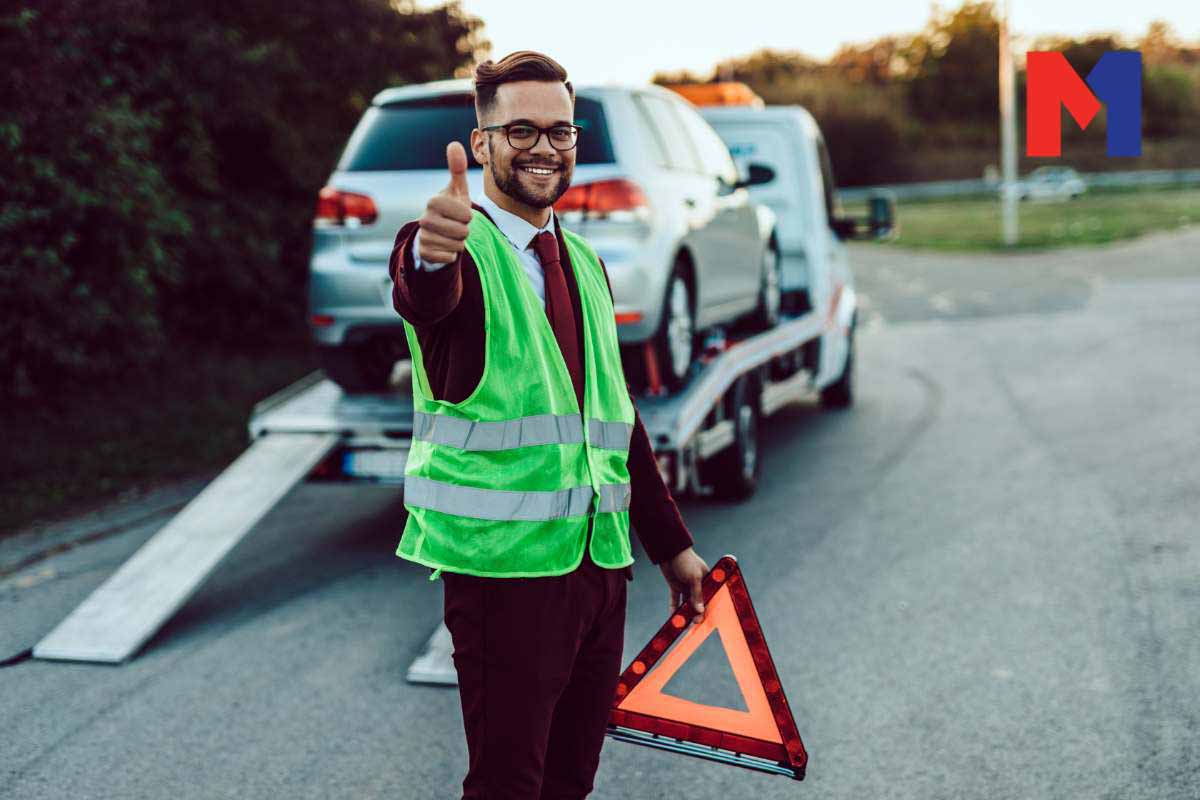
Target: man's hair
523, 65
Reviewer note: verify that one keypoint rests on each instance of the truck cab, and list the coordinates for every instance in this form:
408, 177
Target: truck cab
783, 149
787, 141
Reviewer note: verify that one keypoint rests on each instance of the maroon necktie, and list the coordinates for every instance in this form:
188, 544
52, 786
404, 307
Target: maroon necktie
558, 307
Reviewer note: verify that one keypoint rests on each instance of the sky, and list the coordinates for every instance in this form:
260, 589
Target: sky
629, 40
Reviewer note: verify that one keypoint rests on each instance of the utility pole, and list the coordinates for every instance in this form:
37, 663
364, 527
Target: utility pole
1008, 133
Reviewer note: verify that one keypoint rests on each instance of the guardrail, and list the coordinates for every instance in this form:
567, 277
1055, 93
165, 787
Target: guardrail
934, 189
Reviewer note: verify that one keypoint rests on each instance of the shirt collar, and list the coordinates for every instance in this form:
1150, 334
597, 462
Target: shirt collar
518, 232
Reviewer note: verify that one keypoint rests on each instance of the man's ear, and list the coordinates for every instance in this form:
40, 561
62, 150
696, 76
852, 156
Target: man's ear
478, 147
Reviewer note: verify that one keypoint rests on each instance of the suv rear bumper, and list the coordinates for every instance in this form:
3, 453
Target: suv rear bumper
358, 297
638, 282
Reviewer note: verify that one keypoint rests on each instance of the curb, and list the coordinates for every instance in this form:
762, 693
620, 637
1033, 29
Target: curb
40, 541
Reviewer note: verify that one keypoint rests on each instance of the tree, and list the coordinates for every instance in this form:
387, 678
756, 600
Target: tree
768, 66
161, 159
1161, 45
668, 77
953, 65
1168, 101
878, 62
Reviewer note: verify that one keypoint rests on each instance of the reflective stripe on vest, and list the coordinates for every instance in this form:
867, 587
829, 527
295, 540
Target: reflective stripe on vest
466, 434
539, 429
610, 435
502, 504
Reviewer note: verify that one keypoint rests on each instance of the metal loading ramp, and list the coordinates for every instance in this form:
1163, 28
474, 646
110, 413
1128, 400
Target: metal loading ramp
128, 608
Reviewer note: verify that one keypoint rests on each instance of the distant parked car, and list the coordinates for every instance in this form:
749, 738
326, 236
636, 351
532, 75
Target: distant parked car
655, 191
1051, 183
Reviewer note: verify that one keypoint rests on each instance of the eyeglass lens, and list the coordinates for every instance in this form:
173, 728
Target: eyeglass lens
524, 137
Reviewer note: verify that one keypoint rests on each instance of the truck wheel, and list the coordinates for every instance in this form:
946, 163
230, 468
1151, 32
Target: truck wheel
733, 473
675, 340
840, 393
770, 292
361, 367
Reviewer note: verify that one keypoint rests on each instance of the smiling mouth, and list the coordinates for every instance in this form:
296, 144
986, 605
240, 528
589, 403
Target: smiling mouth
539, 171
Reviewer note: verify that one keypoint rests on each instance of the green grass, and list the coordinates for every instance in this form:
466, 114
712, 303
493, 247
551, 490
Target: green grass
1097, 217
87, 450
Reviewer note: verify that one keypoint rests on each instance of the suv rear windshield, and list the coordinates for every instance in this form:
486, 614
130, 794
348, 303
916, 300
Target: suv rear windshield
413, 134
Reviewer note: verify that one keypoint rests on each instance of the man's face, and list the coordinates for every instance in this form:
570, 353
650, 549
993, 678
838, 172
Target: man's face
539, 103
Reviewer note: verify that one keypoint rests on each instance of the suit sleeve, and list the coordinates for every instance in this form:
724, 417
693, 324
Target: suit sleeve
652, 511
422, 297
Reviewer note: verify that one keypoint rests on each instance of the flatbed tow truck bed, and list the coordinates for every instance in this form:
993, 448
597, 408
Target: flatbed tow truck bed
704, 437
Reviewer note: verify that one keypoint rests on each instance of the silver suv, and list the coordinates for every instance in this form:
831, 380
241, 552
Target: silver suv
655, 191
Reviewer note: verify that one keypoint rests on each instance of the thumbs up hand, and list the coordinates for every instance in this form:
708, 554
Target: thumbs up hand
444, 224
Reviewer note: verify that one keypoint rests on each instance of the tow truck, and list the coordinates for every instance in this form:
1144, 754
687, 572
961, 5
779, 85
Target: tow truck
705, 438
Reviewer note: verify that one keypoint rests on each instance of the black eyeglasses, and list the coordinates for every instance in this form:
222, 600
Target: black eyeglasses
523, 136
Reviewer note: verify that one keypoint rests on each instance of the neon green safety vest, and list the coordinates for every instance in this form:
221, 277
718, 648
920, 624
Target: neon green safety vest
502, 483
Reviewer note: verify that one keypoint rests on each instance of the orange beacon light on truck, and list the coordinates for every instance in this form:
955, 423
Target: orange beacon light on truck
724, 93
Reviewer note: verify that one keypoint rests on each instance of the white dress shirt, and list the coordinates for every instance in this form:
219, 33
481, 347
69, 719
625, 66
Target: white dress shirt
519, 234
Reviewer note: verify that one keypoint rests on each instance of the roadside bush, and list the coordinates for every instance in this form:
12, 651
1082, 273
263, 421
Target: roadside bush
161, 160
865, 150
1168, 101
863, 123
91, 229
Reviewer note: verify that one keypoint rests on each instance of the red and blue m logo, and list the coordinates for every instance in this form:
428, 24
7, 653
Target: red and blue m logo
1115, 81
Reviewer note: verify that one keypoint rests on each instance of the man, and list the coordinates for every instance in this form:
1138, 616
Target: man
529, 462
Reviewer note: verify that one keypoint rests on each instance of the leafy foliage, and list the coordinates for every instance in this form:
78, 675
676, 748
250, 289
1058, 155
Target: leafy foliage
925, 106
954, 66
161, 159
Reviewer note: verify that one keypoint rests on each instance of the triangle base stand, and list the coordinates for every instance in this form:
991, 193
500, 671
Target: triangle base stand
700, 751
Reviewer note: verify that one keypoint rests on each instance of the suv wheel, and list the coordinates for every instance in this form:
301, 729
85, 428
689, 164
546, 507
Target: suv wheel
675, 341
766, 316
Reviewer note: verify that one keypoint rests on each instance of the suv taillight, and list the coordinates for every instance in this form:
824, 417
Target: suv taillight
617, 198
335, 207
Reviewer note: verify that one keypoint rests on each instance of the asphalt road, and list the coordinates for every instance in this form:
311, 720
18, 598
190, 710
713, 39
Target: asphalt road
982, 581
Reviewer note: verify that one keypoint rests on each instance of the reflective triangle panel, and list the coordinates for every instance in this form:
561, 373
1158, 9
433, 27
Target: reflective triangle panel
647, 697
766, 730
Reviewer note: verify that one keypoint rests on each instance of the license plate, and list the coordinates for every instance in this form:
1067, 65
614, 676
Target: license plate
377, 464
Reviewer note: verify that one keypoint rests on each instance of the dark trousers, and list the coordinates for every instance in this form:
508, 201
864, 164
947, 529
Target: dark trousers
538, 661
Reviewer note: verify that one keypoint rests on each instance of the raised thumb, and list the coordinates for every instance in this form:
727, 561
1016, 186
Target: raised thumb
456, 159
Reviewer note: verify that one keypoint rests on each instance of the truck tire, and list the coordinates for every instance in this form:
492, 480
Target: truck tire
840, 393
733, 473
675, 339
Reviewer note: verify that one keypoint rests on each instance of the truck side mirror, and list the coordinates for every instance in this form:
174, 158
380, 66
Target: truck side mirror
879, 224
881, 213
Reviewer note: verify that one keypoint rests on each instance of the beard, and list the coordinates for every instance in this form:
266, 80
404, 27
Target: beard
509, 182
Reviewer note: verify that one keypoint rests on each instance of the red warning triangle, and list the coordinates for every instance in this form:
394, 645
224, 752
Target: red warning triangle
763, 737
